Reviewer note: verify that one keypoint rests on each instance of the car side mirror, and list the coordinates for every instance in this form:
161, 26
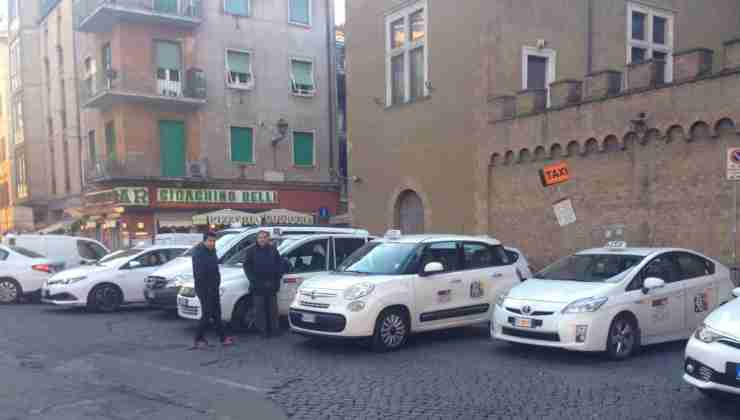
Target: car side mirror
736, 292
652, 283
433, 268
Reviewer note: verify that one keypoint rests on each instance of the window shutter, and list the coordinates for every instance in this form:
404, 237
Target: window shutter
303, 149
238, 62
237, 7
302, 73
165, 6
299, 12
168, 55
241, 145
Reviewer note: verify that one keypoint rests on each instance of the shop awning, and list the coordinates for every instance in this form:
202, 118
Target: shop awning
226, 217
285, 217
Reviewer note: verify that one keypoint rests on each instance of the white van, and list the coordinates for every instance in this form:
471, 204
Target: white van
71, 251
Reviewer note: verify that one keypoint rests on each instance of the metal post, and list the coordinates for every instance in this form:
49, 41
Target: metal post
734, 224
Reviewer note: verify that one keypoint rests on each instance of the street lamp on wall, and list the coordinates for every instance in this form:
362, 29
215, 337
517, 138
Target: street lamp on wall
282, 129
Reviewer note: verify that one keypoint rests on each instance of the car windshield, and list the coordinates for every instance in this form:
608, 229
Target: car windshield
592, 268
116, 257
221, 242
26, 252
380, 258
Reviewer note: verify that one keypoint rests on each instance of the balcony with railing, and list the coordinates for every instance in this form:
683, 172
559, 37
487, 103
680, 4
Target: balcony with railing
137, 167
167, 88
100, 15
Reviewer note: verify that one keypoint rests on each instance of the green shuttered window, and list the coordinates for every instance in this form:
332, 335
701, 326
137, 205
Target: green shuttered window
168, 55
110, 140
172, 148
300, 11
237, 7
165, 6
303, 149
242, 145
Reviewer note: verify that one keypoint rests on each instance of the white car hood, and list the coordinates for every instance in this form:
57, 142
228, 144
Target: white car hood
558, 291
84, 270
180, 265
726, 319
341, 281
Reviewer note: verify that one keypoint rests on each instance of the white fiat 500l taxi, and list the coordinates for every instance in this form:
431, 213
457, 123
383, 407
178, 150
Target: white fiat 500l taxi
713, 352
613, 299
393, 287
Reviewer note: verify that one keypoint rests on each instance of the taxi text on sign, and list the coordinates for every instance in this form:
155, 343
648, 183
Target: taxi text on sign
554, 174
733, 164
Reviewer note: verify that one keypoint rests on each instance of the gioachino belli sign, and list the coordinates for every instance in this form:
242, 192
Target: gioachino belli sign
207, 196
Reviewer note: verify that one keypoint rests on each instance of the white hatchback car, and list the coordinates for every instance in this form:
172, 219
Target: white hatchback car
613, 299
308, 256
399, 285
23, 272
713, 352
119, 278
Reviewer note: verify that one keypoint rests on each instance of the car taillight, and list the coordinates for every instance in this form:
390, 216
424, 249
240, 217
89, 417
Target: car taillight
46, 268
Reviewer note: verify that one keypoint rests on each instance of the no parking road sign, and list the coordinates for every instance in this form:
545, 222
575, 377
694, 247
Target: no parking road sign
733, 164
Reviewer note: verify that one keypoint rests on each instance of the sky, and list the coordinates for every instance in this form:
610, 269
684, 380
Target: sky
339, 7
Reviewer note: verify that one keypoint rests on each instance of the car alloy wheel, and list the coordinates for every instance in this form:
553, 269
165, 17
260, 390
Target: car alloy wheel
8, 291
622, 338
393, 330
107, 298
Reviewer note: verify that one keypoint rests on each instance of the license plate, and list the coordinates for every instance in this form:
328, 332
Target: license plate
523, 323
309, 318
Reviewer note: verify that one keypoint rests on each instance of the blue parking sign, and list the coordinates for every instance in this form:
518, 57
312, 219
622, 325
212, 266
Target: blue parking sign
323, 212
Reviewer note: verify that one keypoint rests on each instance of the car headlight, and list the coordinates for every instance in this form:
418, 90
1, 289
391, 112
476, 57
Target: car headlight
70, 280
591, 304
706, 334
501, 298
359, 291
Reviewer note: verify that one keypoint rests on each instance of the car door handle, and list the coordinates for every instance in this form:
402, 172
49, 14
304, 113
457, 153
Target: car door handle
456, 281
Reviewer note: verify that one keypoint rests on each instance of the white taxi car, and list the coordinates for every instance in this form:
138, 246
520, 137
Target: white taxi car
713, 352
115, 280
399, 285
613, 299
307, 255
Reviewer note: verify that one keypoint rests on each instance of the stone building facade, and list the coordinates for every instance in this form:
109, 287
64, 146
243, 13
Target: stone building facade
218, 96
621, 91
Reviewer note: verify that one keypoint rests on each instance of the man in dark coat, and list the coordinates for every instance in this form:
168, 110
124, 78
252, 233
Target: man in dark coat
264, 267
207, 283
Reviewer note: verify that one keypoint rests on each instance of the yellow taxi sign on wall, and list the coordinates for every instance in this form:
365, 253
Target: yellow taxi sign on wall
554, 174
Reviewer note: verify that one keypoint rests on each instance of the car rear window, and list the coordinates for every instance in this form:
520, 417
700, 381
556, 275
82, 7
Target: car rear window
26, 252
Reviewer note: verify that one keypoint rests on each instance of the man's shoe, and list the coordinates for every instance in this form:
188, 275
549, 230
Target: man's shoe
200, 345
227, 341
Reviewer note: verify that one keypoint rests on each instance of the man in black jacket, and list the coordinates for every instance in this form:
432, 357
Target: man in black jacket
264, 268
207, 283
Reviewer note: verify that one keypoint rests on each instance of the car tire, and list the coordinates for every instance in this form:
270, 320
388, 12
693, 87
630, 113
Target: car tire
392, 329
244, 317
10, 291
623, 339
105, 298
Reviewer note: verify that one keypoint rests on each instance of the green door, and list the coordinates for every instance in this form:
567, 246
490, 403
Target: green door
172, 148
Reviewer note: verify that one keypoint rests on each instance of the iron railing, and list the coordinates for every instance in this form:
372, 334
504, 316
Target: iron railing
190, 85
191, 9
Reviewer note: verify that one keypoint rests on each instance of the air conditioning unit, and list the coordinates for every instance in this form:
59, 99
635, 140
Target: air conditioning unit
198, 169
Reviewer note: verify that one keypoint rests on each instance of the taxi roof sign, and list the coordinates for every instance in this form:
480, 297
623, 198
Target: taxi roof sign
617, 244
393, 234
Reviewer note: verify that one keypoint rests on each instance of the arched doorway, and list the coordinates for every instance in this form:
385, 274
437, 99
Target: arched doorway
410, 213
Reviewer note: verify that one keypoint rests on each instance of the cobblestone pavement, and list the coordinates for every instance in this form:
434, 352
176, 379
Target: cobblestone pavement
68, 364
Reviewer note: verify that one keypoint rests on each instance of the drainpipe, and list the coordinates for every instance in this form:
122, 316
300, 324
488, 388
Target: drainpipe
590, 38
331, 59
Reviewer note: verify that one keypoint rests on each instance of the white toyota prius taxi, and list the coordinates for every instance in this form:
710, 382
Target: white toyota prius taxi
613, 299
399, 285
713, 352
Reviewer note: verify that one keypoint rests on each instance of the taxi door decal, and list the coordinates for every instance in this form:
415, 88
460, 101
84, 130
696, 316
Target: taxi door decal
476, 289
660, 311
702, 302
